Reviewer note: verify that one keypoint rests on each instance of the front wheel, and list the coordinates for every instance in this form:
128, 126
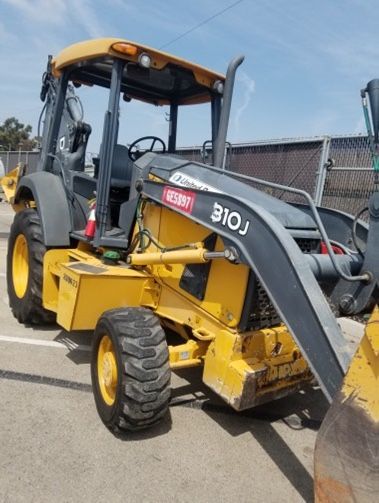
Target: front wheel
26, 250
130, 369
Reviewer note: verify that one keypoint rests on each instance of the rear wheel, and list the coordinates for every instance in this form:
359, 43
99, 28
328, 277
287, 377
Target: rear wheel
25, 269
130, 369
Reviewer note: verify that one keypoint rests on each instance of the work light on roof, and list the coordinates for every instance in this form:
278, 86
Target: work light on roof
218, 86
144, 60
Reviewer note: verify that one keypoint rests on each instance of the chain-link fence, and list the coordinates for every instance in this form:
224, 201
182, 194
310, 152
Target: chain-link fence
349, 181
336, 171
12, 158
287, 162
30, 159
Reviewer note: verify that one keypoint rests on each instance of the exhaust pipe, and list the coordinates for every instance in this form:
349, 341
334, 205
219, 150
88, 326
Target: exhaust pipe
372, 90
219, 149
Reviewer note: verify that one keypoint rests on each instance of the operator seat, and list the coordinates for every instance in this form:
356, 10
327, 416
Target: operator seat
75, 159
122, 168
84, 185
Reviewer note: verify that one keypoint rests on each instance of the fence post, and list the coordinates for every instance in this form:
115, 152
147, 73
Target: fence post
322, 171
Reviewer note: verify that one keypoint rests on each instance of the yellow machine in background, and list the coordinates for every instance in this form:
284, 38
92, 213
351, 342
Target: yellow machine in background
346, 455
152, 244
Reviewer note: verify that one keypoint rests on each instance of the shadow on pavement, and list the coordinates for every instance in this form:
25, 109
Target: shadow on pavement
156, 431
78, 344
277, 449
305, 409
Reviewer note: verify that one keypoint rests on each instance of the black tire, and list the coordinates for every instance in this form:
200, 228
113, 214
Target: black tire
28, 308
142, 391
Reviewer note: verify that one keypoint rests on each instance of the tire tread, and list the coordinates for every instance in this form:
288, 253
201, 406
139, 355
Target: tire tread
29, 309
145, 364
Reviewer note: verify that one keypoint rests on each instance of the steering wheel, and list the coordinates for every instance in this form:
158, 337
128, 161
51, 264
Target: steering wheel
133, 151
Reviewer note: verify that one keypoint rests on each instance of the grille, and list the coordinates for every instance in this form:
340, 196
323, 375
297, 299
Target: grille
262, 313
308, 245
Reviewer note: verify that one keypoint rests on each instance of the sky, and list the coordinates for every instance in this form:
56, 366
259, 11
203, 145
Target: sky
305, 61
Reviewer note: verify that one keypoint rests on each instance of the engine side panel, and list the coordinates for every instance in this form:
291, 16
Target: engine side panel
226, 283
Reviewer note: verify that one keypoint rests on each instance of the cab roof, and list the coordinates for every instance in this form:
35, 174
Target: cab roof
169, 79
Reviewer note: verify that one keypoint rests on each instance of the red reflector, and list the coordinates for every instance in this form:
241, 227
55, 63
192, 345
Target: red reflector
337, 250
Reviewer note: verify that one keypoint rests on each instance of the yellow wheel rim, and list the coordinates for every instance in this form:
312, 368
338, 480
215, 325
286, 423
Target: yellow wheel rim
20, 266
107, 370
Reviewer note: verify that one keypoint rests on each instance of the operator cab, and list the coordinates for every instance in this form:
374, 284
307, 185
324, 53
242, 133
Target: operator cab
128, 72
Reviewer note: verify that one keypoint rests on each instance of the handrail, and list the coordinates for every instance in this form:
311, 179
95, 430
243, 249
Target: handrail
365, 277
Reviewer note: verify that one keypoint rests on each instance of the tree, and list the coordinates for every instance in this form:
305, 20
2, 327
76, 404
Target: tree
16, 136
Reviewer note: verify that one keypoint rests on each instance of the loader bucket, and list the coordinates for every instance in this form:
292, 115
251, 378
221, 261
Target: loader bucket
347, 445
9, 183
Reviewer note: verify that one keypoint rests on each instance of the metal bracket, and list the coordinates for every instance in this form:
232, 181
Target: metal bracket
356, 297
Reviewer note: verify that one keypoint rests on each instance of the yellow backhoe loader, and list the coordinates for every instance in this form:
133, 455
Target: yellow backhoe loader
149, 242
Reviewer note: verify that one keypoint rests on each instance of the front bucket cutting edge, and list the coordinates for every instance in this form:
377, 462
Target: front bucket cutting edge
347, 446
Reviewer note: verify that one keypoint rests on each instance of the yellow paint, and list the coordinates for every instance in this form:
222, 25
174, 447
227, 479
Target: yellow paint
203, 334
107, 373
79, 288
84, 297
20, 266
225, 303
9, 185
102, 48
372, 331
362, 379
51, 276
180, 310
244, 369
189, 354
169, 257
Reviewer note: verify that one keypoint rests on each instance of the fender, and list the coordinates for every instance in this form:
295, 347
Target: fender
49, 195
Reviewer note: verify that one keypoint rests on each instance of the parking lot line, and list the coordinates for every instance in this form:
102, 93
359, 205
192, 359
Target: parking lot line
67, 344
